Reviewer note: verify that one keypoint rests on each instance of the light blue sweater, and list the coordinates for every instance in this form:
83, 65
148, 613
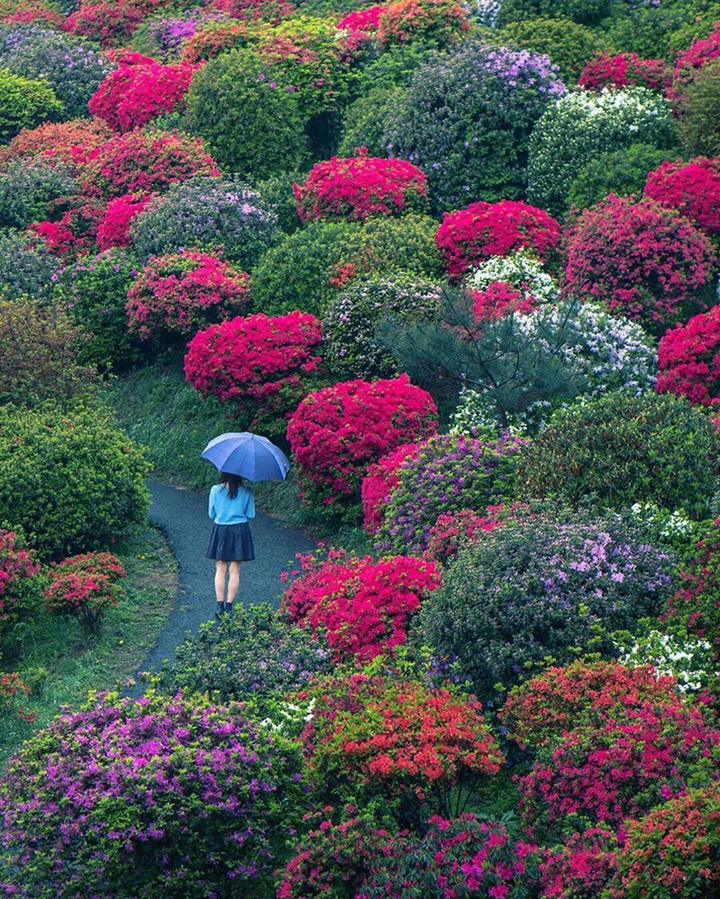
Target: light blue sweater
224, 510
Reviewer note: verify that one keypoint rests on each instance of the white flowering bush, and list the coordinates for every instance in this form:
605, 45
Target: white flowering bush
521, 270
670, 527
580, 125
689, 661
484, 12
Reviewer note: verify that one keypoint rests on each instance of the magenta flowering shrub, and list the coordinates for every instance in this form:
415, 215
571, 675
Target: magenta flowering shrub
583, 867
176, 294
113, 229
381, 479
689, 359
17, 568
156, 797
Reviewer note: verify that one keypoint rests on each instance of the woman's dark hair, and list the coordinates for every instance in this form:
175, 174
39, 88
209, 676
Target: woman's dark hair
232, 482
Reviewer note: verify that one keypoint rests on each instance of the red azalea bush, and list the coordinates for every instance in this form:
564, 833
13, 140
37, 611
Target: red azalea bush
145, 162
638, 258
501, 298
132, 95
361, 24
689, 63
468, 236
12, 693
453, 530
178, 293
85, 587
620, 766
674, 851
70, 142
539, 711
26, 11
691, 187
381, 479
110, 22
623, 70
74, 233
17, 567
435, 23
261, 366
398, 739
338, 431
114, 228
213, 39
363, 607
360, 186
583, 867
689, 359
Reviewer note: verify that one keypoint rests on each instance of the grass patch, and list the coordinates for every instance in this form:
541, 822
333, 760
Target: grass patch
49, 654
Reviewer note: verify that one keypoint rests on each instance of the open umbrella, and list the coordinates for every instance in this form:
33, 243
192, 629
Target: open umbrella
248, 455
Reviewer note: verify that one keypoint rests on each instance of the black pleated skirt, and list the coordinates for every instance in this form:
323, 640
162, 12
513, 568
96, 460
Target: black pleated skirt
231, 543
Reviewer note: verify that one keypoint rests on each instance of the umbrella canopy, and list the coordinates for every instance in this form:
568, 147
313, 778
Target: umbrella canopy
248, 455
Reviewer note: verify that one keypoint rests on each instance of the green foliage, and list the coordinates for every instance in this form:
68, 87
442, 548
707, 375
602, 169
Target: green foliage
568, 44
620, 172
251, 125
26, 266
365, 120
699, 130
29, 189
621, 449
586, 12
659, 30
72, 481
25, 103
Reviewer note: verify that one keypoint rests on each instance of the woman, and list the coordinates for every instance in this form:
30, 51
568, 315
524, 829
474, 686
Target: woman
231, 505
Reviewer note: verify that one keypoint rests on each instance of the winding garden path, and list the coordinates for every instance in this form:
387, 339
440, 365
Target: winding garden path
182, 516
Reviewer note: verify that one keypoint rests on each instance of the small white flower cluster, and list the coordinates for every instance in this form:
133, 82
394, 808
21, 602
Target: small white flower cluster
522, 270
690, 662
629, 103
668, 525
289, 717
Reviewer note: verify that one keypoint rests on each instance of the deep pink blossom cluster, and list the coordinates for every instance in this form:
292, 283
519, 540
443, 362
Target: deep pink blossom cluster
381, 479
110, 22
693, 188
85, 586
623, 70
501, 298
438, 23
114, 228
16, 564
689, 359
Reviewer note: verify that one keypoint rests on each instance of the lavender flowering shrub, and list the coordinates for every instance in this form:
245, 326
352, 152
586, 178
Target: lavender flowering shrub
163, 39
467, 119
207, 213
71, 66
449, 473
155, 797
253, 658
541, 592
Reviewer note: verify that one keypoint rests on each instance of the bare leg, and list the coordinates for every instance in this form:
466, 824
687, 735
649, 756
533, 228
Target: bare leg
220, 572
233, 582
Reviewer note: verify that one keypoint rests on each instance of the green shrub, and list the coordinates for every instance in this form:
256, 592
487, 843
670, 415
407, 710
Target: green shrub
542, 591
620, 172
251, 125
94, 291
29, 188
655, 30
567, 44
366, 121
306, 268
26, 266
71, 480
586, 12
699, 130
25, 103
621, 449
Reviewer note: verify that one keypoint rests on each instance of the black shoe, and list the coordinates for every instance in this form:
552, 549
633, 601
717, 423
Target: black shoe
220, 610
229, 607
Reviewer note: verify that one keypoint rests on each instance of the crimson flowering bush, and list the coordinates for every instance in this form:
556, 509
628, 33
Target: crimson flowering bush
434, 23
178, 293
381, 479
539, 711
13, 692
259, 366
398, 740
620, 766
75, 232
362, 607
623, 70
453, 530
133, 95
500, 298
70, 142
583, 867
689, 359
338, 431
362, 24
85, 586
113, 229
693, 188
30, 11
159, 796
110, 22
640, 258
17, 568
214, 38
674, 851
360, 186
145, 162
469, 236
690, 63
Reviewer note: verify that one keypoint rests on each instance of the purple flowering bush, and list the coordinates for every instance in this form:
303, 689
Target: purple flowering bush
467, 119
160, 796
543, 591
163, 39
448, 474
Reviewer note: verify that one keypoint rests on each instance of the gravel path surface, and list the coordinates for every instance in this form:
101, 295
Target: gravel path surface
182, 516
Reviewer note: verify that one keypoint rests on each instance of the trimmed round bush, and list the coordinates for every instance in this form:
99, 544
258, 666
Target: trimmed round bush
256, 657
306, 269
448, 474
349, 328
381, 479
258, 367
136, 798
252, 125
692, 188
460, 108
587, 12
540, 592
568, 44
365, 120
689, 360
72, 67
641, 259
25, 103
206, 213
624, 70
620, 449
435, 24
29, 189
70, 142
89, 467
338, 431
176, 294
26, 266
579, 126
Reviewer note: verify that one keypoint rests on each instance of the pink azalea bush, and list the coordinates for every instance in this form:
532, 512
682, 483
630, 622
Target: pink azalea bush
693, 188
689, 359
17, 568
381, 479
113, 229
434, 23
85, 587
623, 70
